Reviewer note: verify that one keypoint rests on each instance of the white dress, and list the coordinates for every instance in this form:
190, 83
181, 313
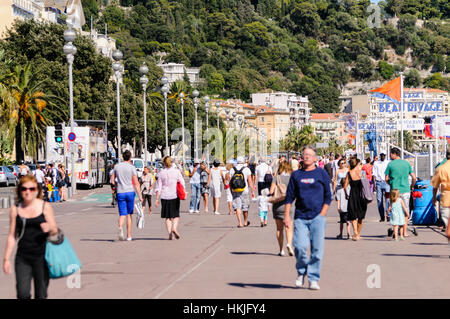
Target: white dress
216, 179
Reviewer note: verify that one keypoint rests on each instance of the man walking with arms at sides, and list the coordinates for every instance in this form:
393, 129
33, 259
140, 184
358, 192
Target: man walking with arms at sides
329, 167
310, 187
397, 173
442, 177
241, 185
127, 183
381, 187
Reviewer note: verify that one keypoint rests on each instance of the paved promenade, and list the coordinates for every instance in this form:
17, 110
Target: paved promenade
216, 260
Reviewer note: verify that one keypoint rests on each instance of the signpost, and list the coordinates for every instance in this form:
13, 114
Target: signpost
72, 137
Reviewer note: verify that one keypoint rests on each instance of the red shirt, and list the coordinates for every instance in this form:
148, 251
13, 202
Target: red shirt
368, 169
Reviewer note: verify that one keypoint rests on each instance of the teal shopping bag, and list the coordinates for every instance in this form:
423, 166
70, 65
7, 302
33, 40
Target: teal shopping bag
61, 259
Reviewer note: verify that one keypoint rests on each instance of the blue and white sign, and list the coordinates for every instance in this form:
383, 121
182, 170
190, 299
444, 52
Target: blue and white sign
418, 107
412, 124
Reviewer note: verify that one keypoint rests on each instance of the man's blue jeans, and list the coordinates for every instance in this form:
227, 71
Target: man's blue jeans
382, 188
195, 197
306, 232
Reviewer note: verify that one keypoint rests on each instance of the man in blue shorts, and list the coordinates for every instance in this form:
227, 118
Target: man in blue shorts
127, 182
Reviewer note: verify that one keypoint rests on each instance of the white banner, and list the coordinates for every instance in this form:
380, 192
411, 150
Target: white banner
411, 124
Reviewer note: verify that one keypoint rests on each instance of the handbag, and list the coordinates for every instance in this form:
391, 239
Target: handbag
366, 192
140, 220
62, 261
180, 191
279, 194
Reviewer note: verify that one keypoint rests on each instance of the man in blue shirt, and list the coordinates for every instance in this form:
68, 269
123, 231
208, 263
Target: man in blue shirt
310, 187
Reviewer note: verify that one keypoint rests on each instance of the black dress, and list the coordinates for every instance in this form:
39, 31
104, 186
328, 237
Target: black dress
357, 205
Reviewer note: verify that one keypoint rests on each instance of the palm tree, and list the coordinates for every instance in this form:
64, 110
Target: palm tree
306, 136
29, 111
408, 140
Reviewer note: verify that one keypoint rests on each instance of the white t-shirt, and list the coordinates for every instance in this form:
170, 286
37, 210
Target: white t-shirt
40, 176
340, 195
261, 171
246, 171
378, 170
263, 204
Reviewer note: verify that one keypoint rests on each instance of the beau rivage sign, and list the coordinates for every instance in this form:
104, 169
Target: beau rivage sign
412, 102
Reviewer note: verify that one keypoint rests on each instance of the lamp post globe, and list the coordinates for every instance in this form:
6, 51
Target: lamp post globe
195, 93
68, 48
117, 67
69, 35
143, 69
117, 55
143, 80
164, 80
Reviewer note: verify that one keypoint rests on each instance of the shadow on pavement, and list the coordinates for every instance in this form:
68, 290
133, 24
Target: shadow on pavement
265, 286
107, 240
251, 253
413, 255
430, 244
149, 239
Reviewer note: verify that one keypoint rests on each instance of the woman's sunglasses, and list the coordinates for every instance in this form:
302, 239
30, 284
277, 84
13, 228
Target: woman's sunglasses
31, 189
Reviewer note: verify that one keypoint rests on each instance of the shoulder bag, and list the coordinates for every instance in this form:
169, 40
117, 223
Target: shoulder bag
366, 192
61, 259
279, 193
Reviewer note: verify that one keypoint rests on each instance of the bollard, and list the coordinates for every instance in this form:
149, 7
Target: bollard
5, 201
69, 192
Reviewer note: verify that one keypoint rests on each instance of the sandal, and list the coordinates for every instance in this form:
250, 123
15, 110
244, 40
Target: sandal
177, 236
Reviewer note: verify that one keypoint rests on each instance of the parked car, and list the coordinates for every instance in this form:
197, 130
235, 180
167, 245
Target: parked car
15, 170
7, 177
139, 164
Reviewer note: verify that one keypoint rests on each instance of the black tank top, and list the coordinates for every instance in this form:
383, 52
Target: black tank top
34, 239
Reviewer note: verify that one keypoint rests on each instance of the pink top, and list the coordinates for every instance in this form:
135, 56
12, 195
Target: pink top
166, 184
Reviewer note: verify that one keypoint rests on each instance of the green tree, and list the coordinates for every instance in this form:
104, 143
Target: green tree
412, 79
386, 70
363, 68
28, 110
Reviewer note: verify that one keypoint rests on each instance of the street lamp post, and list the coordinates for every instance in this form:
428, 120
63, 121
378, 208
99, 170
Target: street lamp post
206, 100
165, 90
181, 95
70, 50
195, 94
144, 81
117, 67
218, 112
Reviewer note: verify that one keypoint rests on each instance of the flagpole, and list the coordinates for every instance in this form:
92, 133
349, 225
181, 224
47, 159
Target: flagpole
401, 109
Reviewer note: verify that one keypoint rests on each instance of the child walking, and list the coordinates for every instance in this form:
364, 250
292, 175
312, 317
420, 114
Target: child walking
263, 206
342, 203
397, 212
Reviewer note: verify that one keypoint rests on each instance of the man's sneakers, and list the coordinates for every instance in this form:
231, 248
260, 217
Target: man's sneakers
314, 285
191, 211
299, 281
120, 234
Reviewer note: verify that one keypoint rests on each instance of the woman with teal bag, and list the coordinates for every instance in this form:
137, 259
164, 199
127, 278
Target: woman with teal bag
31, 221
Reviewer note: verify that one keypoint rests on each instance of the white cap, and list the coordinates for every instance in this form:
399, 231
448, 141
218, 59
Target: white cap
240, 160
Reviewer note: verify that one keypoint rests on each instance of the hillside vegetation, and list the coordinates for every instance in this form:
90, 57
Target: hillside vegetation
308, 47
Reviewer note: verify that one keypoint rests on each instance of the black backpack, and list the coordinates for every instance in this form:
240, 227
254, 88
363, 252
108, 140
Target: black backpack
268, 178
237, 182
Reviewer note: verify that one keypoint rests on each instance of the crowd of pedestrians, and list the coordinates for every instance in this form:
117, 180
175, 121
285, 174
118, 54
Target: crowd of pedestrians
298, 193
